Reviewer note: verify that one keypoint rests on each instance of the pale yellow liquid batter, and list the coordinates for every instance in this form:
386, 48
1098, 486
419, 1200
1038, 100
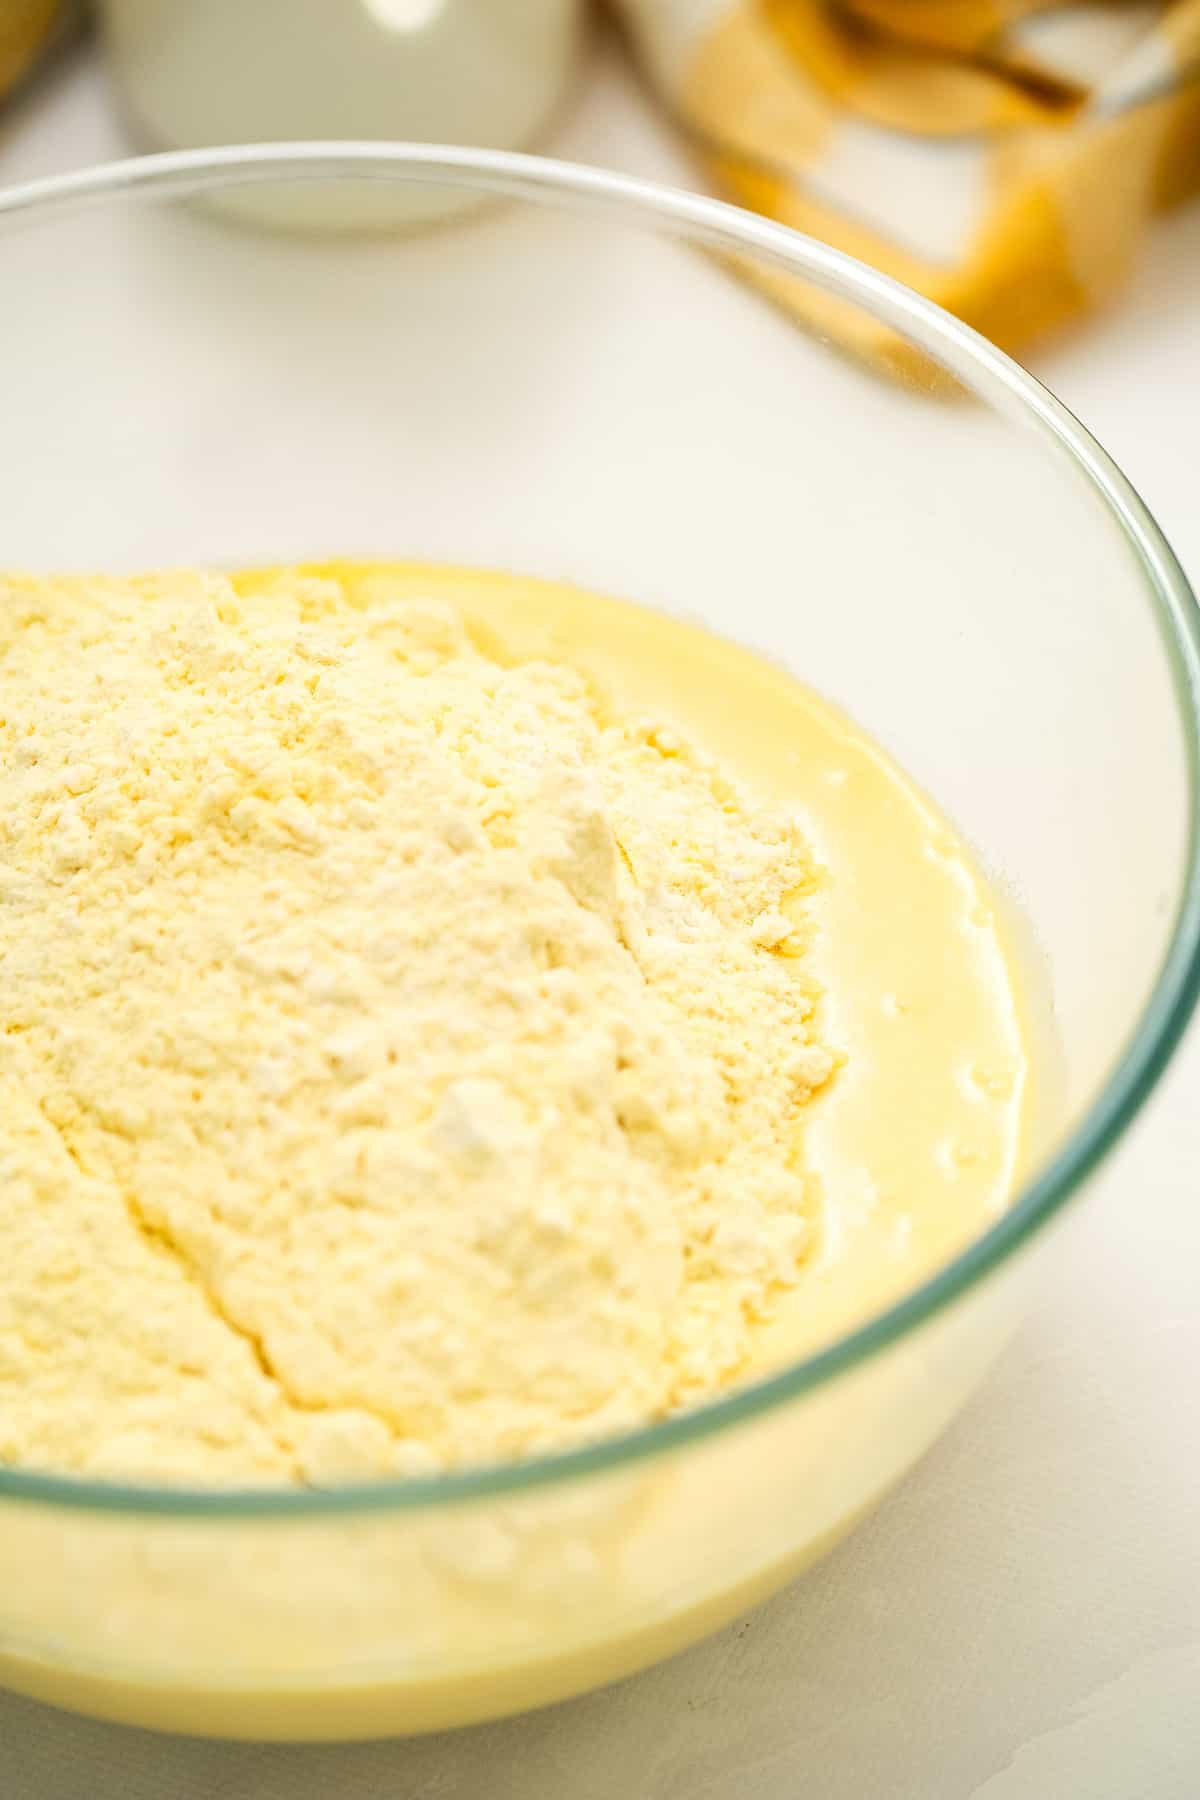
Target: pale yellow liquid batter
354, 1628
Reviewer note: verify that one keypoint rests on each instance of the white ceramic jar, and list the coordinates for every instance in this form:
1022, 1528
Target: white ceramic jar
201, 72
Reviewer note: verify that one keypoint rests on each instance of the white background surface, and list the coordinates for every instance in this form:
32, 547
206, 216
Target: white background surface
1022, 1620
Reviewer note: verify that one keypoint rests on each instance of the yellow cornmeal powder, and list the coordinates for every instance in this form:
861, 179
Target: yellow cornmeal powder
402, 1059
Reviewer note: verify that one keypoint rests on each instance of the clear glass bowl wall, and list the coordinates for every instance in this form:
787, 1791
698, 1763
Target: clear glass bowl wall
566, 387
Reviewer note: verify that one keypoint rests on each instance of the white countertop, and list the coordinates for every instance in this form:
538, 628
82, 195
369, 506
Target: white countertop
1021, 1621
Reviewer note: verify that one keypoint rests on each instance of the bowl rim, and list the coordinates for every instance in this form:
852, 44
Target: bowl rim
990, 373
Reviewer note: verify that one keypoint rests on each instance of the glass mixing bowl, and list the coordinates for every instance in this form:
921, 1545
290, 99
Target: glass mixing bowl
565, 387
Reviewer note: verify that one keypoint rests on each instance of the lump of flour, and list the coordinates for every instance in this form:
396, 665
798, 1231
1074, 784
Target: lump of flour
401, 1058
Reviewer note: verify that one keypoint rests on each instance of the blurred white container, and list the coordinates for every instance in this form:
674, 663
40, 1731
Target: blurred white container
193, 73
